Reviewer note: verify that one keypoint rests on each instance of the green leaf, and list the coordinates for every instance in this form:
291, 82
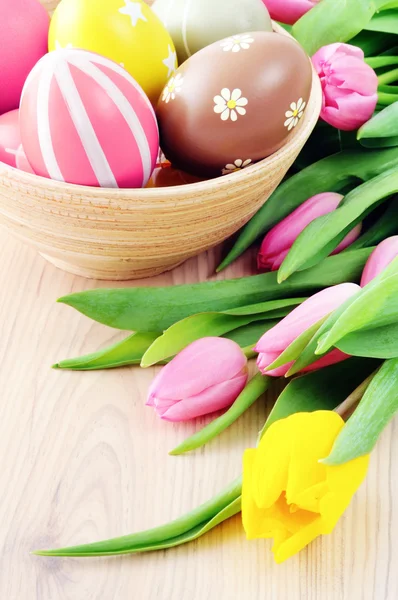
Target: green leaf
378, 342
127, 352
156, 309
254, 389
332, 21
375, 306
331, 174
183, 333
321, 390
293, 351
309, 355
185, 529
373, 43
384, 227
384, 22
322, 230
387, 142
248, 335
377, 407
382, 125
265, 307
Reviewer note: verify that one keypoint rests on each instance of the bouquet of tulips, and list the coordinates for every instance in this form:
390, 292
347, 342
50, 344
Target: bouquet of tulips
324, 316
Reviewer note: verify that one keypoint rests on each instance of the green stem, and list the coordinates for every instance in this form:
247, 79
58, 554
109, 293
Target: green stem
381, 61
357, 395
249, 352
254, 389
388, 77
387, 99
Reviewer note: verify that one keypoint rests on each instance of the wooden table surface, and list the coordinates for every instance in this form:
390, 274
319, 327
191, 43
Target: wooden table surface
82, 459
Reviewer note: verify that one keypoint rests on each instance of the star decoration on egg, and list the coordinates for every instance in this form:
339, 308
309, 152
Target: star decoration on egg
171, 61
133, 10
59, 46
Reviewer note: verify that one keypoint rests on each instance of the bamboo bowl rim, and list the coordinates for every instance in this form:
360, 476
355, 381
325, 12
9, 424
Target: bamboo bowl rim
181, 192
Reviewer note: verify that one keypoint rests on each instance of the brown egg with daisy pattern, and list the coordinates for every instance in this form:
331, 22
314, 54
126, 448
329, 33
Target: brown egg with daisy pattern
234, 103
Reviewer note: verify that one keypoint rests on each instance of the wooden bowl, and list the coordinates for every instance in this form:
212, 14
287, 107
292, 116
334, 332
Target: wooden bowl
128, 234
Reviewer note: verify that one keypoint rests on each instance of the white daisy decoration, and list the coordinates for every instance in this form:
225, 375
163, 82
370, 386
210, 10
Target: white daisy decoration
173, 87
237, 165
230, 104
237, 42
294, 114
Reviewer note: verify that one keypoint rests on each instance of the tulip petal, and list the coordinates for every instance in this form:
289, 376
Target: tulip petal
215, 398
202, 364
288, 11
349, 239
352, 74
287, 458
311, 441
281, 237
343, 481
271, 464
331, 358
349, 111
328, 52
301, 318
380, 258
299, 541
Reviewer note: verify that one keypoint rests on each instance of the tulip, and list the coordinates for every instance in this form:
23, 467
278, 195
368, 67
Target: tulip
279, 240
208, 375
287, 494
349, 86
380, 258
312, 310
289, 11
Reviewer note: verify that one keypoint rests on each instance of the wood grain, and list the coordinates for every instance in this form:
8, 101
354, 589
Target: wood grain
82, 459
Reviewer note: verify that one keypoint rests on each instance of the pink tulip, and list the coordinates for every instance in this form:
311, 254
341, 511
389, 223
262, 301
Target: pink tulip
208, 375
279, 240
349, 86
277, 339
289, 11
380, 258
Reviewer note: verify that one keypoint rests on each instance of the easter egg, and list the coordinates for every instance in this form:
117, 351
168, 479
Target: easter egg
194, 24
126, 31
11, 151
168, 176
223, 111
24, 39
85, 120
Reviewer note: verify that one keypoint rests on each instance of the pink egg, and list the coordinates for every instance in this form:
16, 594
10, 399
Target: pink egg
11, 151
24, 40
85, 120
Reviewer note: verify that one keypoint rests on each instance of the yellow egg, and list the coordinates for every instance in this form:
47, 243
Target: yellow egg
126, 31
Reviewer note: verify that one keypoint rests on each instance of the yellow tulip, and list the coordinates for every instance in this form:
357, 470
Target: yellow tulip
288, 495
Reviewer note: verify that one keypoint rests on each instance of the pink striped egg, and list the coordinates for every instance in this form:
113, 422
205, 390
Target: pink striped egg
11, 151
85, 120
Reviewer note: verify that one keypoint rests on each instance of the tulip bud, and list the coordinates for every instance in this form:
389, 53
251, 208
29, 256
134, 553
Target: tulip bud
208, 375
289, 11
277, 339
380, 258
279, 240
349, 86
